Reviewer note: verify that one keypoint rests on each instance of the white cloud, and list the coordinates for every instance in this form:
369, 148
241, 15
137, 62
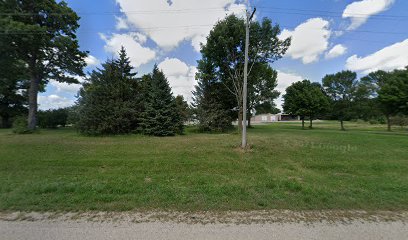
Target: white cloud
54, 101
336, 51
169, 23
133, 44
309, 40
91, 60
284, 81
121, 24
65, 87
181, 77
359, 12
389, 58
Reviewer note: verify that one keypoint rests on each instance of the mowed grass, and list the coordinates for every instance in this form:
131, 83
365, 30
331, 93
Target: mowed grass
287, 168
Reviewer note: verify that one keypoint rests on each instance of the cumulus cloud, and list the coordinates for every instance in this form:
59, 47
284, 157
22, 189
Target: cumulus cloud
285, 80
336, 51
389, 58
180, 76
65, 87
360, 11
54, 101
168, 23
133, 44
91, 60
121, 24
309, 40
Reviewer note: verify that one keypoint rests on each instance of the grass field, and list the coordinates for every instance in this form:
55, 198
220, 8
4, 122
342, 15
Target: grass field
287, 168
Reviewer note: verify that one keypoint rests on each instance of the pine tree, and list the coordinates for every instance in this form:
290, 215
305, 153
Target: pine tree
160, 117
213, 110
109, 101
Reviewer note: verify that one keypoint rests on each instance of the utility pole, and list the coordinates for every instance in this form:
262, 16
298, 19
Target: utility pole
245, 88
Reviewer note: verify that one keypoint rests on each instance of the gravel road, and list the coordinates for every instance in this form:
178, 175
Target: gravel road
63, 228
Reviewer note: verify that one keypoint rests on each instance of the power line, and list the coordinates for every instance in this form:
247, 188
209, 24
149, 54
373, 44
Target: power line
334, 12
338, 16
191, 27
295, 11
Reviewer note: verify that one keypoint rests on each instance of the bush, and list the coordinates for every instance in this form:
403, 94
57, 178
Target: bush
399, 120
373, 121
216, 120
20, 125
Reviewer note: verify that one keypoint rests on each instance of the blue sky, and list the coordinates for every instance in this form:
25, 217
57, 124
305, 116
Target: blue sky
328, 36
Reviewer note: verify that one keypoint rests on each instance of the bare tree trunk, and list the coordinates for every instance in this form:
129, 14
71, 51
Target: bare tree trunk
311, 123
249, 119
303, 123
240, 120
32, 103
342, 125
388, 122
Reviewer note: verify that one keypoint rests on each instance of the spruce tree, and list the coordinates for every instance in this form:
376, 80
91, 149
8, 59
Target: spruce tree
214, 111
160, 117
109, 101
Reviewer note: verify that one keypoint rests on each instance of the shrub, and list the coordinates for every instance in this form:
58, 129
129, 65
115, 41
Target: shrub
373, 121
399, 120
20, 125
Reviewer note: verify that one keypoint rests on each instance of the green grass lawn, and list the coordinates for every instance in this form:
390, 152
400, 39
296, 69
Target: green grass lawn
287, 168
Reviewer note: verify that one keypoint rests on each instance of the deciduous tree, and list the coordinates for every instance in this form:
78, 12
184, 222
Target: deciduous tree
341, 88
43, 34
305, 99
224, 55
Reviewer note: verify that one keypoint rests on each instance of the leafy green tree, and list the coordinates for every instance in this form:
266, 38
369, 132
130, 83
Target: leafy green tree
261, 95
386, 91
109, 100
305, 99
341, 88
42, 33
368, 106
161, 116
223, 60
393, 94
13, 88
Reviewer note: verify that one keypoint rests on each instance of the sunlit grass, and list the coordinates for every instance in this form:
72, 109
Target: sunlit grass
286, 168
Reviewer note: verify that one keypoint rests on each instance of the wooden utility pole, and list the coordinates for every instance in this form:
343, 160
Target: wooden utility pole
245, 88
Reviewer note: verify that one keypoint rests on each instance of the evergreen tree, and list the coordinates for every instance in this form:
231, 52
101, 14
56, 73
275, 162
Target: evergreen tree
182, 108
160, 116
213, 111
109, 101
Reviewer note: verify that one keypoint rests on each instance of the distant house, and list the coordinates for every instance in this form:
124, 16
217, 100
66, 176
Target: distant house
268, 118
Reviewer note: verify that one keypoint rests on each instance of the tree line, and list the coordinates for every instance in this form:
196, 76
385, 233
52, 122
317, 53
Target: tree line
343, 97
39, 44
